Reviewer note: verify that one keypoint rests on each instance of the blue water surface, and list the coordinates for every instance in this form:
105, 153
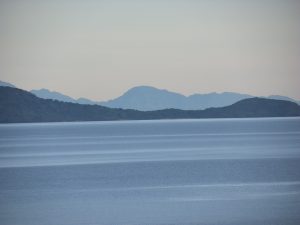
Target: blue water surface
164, 172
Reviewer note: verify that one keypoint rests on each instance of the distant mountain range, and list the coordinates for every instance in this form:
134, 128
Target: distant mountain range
17, 106
146, 98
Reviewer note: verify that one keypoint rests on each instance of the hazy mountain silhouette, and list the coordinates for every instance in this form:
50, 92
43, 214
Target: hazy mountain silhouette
86, 101
6, 84
147, 98
54, 95
47, 94
280, 97
17, 105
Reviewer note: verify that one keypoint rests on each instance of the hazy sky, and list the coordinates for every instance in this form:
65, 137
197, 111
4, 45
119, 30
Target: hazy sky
100, 48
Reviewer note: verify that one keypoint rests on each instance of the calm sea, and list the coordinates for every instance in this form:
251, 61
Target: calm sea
165, 172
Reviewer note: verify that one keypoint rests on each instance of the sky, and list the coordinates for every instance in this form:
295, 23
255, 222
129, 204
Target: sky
100, 48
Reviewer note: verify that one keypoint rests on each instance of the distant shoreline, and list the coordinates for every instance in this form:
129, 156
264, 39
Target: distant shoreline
19, 106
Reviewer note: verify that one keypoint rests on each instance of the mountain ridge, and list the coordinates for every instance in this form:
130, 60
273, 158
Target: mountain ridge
147, 98
47, 94
19, 106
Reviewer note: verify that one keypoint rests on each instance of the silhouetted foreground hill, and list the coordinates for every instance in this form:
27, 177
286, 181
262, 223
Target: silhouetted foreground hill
17, 105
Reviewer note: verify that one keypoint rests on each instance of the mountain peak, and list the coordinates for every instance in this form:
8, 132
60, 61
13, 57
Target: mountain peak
47, 94
147, 98
143, 87
147, 89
